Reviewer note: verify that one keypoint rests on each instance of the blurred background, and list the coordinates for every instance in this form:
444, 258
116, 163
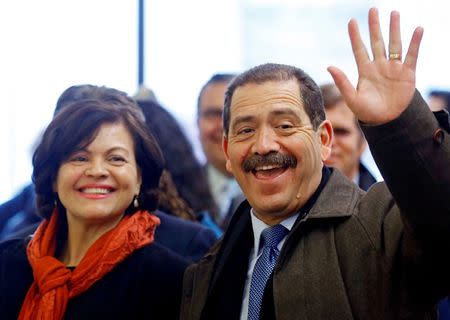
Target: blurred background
49, 45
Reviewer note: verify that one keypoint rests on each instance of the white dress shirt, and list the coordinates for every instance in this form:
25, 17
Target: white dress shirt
223, 190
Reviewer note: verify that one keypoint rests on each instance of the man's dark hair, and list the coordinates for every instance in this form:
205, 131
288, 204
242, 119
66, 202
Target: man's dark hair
309, 90
330, 94
216, 78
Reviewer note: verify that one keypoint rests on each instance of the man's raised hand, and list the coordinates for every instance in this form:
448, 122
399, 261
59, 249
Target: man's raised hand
386, 84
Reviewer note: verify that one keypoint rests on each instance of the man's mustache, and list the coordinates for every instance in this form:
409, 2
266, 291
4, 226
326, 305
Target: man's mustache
272, 158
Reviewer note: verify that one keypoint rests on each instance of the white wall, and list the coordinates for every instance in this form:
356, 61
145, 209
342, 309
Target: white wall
46, 47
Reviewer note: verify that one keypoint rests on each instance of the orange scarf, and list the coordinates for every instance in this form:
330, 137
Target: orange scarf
54, 284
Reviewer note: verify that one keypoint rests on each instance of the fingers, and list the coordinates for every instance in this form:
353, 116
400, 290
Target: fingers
377, 43
395, 41
344, 85
358, 47
376, 37
413, 50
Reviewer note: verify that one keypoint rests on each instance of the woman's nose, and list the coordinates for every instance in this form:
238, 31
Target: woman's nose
96, 169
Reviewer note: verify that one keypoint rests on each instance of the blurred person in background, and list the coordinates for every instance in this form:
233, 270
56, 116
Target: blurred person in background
439, 100
348, 142
184, 171
222, 185
96, 173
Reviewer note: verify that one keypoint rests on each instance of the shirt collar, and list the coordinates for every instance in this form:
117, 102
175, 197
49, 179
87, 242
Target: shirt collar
356, 178
259, 226
217, 181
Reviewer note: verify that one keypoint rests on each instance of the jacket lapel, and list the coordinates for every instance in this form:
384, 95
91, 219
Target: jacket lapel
230, 270
336, 201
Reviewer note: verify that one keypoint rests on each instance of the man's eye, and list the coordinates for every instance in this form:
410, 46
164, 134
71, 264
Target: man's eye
341, 132
285, 126
245, 131
211, 114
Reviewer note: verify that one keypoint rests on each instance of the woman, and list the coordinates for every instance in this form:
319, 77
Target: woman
96, 173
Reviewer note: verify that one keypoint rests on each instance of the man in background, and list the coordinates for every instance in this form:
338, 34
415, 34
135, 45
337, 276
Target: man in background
439, 100
348, 140
222, 185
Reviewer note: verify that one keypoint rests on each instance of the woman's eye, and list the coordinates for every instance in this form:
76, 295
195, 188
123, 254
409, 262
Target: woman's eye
117, 159
78, 158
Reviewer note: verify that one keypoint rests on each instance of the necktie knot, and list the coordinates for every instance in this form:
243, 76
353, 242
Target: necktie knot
272, 236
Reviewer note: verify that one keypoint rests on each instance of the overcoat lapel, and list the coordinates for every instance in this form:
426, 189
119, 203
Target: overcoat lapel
227, 285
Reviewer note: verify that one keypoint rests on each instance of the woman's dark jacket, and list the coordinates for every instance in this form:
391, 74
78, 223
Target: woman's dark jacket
146, 285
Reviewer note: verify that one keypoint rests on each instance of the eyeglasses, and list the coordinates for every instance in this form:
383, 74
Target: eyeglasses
211, 114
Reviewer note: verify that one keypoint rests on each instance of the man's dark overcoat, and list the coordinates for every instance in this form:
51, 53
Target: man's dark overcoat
355, 255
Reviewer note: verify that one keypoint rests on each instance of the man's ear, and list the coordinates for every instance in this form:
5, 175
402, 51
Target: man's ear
225, 150
325, 133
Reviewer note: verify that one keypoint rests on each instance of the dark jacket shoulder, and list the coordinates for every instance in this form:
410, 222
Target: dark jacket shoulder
189, 239
16, 277
146, 285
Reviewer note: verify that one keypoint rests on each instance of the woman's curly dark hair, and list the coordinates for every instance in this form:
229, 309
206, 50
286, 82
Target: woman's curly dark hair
74, 127
169, 199
186, 172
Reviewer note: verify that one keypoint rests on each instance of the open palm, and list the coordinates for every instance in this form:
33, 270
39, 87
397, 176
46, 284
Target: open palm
386, 84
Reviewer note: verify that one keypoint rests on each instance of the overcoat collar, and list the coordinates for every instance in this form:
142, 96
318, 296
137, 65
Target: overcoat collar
337, 200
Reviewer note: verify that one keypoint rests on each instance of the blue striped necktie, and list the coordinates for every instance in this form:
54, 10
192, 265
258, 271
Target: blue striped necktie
270, 238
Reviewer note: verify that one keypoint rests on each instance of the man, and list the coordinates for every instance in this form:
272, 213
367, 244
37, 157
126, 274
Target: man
348, 142
336, 252
439, 100
223, 186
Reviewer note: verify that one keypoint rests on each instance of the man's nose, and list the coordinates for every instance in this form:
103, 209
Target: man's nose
266, 142
218, 124
217, 121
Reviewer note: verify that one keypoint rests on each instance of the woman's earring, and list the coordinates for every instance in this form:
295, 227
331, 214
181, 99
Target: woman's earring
136, 202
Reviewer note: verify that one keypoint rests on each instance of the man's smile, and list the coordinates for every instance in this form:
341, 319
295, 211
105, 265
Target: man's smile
268, 171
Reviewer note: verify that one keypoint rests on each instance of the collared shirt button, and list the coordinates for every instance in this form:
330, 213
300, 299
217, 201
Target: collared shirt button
438, 136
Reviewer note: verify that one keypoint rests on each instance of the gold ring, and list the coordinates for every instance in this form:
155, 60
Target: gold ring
395, 56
